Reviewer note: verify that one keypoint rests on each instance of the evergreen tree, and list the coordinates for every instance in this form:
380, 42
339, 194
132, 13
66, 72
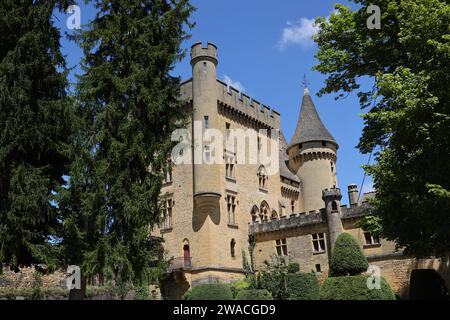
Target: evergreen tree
35, 124
408, 121
129, 105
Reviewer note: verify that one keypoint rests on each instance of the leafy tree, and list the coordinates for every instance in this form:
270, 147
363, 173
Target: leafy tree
35, 125
348, 258
128, 106
408, 119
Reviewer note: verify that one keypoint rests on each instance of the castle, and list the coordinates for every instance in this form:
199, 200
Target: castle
211, 209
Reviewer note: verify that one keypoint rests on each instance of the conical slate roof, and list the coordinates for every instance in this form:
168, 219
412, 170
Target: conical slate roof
309, 125
284, 170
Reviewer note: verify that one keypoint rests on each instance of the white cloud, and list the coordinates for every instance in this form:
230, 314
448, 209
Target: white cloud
299, 33
235, 84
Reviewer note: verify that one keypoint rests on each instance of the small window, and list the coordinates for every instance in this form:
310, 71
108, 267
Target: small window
332, 166
207, 153
233, 248
324, 143
231, 209
206, 122
334, 206
168, 173
167, 214
370, 239
281, 247
318, 268
230, 165
318, 241
292, 206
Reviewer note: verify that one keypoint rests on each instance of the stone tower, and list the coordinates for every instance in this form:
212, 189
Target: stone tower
312, 155
206, 176
332, 198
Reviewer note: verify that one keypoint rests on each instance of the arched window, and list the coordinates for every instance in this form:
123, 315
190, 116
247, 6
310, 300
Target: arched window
186, 254
264, 211
262, 177
334, 206
254, 213
232, 248
274, 215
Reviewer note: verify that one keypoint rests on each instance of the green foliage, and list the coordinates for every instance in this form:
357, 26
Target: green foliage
210, 291
408, 116
37, 284
293, 267
254, 294
128, 106
141, 293
238, 286
36, 117
302, 286
347, 258
354, 288
273, 278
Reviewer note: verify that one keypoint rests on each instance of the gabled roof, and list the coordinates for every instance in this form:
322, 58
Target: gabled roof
309, 126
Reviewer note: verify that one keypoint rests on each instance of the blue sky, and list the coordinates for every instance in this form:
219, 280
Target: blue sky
265, 49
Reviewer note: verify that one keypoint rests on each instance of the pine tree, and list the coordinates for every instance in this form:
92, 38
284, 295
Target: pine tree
129, 105
35, 124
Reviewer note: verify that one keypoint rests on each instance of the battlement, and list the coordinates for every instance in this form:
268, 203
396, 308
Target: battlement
288, 222
331, 194
200, 52
242, 103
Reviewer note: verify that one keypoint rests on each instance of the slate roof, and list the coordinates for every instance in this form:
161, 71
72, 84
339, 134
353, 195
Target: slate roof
284, 170
309, 126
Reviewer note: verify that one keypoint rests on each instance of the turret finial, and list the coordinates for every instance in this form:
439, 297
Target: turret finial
305, 85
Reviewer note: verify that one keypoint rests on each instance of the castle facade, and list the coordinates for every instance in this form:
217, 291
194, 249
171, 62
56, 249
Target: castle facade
210, 210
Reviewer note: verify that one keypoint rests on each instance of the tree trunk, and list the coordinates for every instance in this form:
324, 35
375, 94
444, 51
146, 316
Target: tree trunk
79, 294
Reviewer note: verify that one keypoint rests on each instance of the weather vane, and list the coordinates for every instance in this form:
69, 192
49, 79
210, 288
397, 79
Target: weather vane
305, 85
305, 82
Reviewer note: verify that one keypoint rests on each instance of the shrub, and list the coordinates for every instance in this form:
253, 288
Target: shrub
254, 294
427, 284
238, 286
210, 291
274, 283
348, 258
293, 267
141, 293
302, 286
354, 288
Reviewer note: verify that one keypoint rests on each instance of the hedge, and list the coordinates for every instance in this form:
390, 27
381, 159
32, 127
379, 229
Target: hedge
347, 258
354, 288
302, 286
210, 291
254, 294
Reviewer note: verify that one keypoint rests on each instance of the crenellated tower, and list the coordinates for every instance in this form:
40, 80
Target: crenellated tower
312, 155
206, 176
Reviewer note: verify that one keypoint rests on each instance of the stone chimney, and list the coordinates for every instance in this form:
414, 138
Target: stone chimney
353, 195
